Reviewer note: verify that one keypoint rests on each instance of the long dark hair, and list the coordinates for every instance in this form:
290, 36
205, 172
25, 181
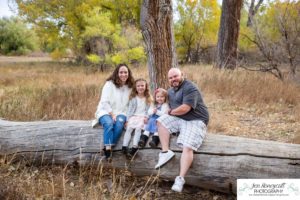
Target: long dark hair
114, 77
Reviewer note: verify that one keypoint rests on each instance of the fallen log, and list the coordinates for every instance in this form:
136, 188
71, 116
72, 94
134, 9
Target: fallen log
217, 165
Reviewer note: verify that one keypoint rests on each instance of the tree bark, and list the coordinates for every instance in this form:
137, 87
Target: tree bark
157, 31
228, 34
220, 161
252, 11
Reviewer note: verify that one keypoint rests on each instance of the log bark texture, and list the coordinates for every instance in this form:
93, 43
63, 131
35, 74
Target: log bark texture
218, 163
157, 30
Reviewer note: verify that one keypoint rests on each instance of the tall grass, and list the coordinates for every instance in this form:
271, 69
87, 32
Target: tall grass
44, 91
48, 92
69, 182
245, 87
58, 91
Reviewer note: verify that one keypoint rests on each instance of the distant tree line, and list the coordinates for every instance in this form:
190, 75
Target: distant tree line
105, 32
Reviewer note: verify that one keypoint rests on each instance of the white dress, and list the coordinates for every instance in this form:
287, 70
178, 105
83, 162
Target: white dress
137, 120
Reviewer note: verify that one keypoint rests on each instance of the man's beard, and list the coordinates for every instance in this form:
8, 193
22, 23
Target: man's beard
177, 86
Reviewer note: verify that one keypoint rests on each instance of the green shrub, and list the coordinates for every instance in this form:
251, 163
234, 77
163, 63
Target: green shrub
16, 38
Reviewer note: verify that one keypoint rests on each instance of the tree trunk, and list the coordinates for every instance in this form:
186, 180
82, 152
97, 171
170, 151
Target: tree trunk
228, 34
219, 162
157, 31
252, 11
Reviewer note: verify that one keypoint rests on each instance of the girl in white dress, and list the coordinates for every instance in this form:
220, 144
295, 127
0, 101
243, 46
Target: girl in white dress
140, 100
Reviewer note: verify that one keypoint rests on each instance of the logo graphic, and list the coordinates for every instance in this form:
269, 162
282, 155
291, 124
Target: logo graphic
268, 189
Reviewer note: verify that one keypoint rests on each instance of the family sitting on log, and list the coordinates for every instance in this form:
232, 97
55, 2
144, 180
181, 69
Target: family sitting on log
128, 103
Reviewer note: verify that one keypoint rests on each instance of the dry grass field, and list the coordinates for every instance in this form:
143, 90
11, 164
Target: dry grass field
241, 103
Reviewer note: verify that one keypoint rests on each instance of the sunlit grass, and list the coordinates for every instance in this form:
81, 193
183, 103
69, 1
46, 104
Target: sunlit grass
70, 182
44, 91
244, 87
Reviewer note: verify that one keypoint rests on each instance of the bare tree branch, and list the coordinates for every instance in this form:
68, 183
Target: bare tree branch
252, 11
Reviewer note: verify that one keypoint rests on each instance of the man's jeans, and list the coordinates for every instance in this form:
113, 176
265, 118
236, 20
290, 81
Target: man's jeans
112, 130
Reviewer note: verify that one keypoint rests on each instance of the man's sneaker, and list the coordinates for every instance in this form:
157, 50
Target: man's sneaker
178, 184
143, 141
154, 142
164, 158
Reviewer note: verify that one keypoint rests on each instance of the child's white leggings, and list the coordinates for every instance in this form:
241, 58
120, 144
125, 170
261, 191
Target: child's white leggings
136, 137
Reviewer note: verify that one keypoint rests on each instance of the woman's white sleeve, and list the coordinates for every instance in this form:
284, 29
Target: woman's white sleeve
106, 96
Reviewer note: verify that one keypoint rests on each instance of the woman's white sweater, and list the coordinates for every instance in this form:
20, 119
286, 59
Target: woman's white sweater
113, 100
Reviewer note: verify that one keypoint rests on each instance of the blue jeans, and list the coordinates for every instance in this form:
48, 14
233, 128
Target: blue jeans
112, 130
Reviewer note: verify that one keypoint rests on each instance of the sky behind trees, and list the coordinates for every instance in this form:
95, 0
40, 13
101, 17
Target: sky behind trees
6, 12
4, 9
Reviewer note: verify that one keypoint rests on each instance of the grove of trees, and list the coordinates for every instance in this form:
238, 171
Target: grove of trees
197, 28
276, 35
105, 32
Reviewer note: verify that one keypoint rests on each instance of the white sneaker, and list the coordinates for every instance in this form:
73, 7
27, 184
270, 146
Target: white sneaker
178, 184
95, 123
164, 158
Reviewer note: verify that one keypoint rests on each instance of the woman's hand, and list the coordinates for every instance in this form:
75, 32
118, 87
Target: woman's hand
154, 110
114, 117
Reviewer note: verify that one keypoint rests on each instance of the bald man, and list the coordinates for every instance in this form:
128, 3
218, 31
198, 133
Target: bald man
188, 116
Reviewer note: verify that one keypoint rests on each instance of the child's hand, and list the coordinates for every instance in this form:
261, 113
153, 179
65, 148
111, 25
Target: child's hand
145, 120
154, 110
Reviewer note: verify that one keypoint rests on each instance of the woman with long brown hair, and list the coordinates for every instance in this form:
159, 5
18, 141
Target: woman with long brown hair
113, 105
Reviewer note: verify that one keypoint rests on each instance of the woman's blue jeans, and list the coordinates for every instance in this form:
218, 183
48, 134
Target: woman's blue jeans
112, 130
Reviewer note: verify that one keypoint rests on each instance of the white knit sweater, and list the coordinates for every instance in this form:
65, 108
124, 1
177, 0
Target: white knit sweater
113, 100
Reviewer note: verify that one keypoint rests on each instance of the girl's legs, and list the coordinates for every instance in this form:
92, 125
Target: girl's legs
118, 128
127, 137
144, 139
147, 133
155, 140
136, 138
